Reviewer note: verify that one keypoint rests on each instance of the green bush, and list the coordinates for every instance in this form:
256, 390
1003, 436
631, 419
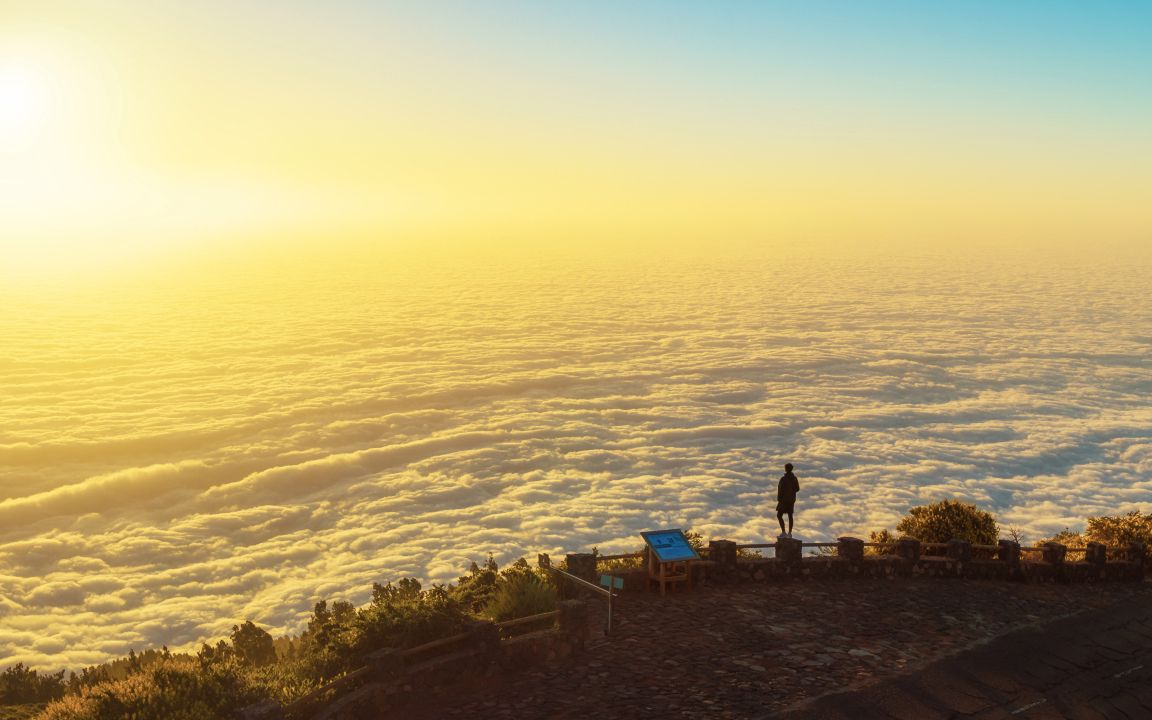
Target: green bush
942, 521
19, 685
176, 688
520, 595
1117, 532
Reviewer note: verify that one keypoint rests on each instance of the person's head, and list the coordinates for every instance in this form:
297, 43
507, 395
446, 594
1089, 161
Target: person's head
787, 467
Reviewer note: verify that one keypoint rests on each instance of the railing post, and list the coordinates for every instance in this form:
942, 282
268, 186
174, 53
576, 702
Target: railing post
851, 549
1054, 553
1096, 554
573, 621
583, 566
1137, 555
1009, 554
723, 553
908, 549
484, 635
789, 550
960, 550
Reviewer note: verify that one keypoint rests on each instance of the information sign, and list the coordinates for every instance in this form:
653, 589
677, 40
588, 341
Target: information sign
669, 545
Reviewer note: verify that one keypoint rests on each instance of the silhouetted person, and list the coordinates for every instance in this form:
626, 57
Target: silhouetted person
786, 498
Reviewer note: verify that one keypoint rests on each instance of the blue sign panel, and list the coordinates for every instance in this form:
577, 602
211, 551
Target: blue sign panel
612, 582
669, 545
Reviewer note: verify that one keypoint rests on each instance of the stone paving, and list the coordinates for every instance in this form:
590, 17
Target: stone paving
1096, 665
752, 651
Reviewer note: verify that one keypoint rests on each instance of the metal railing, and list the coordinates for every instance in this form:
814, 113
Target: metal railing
584, 584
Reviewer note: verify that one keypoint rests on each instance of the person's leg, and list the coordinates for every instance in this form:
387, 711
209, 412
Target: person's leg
780, 518
789, 524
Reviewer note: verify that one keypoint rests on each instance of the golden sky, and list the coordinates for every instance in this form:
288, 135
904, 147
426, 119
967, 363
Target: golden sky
129, 130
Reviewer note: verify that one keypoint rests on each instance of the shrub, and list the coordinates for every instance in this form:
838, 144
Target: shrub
176, 688
519, 595
942, 521
253, 645
1117, 532
19, 685
404, 615
886, 543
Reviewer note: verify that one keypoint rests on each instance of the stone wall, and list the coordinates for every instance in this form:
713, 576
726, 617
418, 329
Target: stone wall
959, 560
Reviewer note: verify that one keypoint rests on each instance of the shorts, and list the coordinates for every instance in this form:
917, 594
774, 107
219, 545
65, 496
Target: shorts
786, 506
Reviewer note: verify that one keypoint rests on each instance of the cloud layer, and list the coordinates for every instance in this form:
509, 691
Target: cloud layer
169, 468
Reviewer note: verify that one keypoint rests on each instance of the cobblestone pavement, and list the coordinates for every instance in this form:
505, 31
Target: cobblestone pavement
1095, 665
753, 651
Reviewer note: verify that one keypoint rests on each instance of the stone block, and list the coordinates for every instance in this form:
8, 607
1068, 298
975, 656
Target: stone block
582, 565
1096, 553
851, 549
1054, 553
573, 621
1009, 554
789, 550
959, 551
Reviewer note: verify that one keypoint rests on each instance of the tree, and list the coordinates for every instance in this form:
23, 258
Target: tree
1114, 531
942, 521
19, 685
254, 645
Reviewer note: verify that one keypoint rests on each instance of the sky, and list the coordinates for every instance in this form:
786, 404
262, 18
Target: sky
135, 131
297, 297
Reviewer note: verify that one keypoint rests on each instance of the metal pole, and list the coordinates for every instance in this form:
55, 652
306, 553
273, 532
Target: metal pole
608, 627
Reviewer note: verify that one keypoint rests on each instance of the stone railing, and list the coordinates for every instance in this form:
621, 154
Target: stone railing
724, 561
394, 678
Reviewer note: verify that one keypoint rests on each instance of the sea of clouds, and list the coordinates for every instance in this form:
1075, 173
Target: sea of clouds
173, 462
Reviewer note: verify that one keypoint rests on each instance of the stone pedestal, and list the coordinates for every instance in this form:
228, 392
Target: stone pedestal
1054, 553
1096, 554
573, 621
1137, 554
1009, 553
583, 566
485, 636
789, 550
723, 553
960, 550
908, 549
851, 549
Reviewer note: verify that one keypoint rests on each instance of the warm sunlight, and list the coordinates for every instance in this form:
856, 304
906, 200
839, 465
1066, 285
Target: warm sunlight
25, 108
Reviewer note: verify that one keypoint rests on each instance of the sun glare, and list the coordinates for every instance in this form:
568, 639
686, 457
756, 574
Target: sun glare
25, 107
